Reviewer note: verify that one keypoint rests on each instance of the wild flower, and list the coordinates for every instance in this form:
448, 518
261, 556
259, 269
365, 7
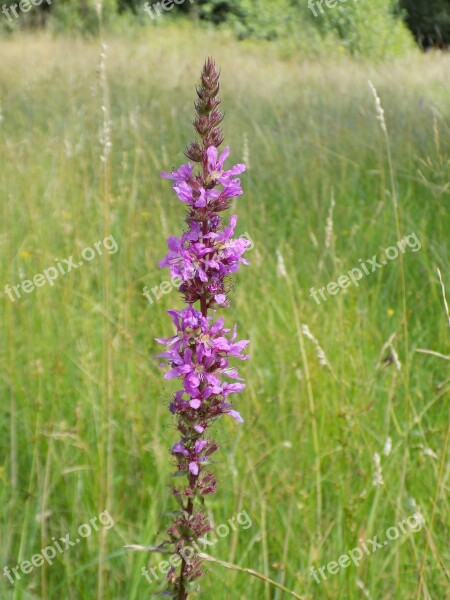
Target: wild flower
378, 473
199, 353
323, 360
387, 446
378, 107
329, 226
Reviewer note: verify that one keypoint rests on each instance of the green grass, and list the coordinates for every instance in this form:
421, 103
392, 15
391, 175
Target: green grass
75, 440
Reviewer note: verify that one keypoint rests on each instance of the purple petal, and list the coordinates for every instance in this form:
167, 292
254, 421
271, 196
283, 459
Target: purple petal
193, 468
199, 446
223, 157
235, 415
178, 449
212, 155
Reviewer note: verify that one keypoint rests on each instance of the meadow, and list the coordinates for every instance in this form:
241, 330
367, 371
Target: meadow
84, 425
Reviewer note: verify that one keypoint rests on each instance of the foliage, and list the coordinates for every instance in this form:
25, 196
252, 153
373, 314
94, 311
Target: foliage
262, 19
367, 27
60, 16
364, 27
80, 16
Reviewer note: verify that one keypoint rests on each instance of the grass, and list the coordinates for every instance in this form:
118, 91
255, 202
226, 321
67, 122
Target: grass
84, 423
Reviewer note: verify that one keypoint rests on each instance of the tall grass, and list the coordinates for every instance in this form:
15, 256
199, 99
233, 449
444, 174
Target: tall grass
302, 464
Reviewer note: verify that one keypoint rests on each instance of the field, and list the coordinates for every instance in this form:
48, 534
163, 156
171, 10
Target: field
84, 425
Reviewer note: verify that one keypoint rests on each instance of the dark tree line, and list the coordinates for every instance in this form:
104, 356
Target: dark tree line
429, 21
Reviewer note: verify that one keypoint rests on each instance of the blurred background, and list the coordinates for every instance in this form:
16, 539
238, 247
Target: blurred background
346, 408
379, 28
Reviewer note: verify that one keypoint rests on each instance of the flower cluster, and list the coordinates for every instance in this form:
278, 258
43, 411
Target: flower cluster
205, 254
199, 354
200, 351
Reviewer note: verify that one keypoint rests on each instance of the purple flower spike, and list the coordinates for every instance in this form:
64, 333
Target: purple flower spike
202, 351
